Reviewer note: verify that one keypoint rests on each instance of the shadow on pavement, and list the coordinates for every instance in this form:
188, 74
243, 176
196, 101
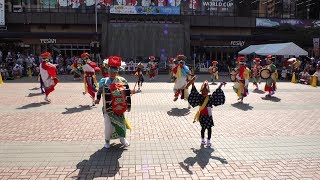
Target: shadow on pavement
178, 112
258, 91
102, 163
242, 106
272, 98
35, 88
32, 105
203, 156
34, 94
77, 109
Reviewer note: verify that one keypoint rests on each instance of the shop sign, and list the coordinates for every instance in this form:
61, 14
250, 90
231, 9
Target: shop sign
48, 41
237, 43
218, 5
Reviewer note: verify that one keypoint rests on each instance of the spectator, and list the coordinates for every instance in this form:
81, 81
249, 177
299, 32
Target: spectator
284, 73
304, 77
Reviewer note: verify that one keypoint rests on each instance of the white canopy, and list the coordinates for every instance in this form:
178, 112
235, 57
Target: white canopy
281, 49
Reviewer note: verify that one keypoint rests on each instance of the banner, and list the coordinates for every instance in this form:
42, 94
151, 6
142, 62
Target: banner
145, 10
274, 22
2, 19
123, 10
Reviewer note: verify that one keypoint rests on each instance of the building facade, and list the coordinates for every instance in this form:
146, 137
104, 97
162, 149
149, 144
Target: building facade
201, 29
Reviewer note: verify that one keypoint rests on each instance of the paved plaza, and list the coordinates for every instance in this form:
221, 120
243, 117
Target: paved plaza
274, 138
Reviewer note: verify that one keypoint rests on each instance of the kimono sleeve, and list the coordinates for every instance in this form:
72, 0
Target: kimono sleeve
194, 98
217, 98
101, 82
51, 69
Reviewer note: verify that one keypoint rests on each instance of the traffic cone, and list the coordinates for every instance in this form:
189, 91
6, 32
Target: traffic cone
1, 82
293, 80
29, 72
314, 81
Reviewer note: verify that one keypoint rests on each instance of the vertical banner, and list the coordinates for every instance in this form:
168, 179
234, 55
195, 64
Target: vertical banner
316, 46
2, 19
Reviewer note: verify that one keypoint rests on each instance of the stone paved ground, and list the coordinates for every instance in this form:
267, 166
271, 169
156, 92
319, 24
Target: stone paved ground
274, 138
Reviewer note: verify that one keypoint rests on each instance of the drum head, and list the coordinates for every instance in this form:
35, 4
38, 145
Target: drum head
265, 73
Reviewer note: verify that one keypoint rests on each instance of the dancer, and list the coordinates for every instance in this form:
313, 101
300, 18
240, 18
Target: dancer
241, 86
171, 66
104, 68
90, 81
213, 71
76, 69
48, 75
116, 100
152, 67
255, 71
139, 74
181, 72
205, 103
270, 86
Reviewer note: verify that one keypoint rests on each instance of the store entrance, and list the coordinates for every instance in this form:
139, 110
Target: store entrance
225, 55
70, 50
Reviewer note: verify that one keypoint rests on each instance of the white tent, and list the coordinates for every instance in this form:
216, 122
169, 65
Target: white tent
250, 49
281, 49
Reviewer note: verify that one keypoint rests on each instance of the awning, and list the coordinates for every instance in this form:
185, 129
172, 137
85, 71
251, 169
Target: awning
281, 49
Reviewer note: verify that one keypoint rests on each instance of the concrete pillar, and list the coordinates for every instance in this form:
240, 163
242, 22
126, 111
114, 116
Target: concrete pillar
104, 38
186, 26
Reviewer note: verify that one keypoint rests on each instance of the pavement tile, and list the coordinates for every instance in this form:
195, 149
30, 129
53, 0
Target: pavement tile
260, 139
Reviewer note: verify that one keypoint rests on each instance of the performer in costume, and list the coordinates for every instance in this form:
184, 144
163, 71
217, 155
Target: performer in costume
116, 100
242, 83
213, 71
171, 67
271, 81
104, 68
181, 72
205, 103
40, 80
139, 74
255, 72
90, 81
76, 69
152, 68
48, 75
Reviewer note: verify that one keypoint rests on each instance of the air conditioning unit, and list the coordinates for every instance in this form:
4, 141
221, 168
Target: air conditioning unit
17, 8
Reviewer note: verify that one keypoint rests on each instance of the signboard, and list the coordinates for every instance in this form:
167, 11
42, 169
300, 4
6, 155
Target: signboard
274, 22
144, 10
48, 41
218, 5
2, 19
237, 43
